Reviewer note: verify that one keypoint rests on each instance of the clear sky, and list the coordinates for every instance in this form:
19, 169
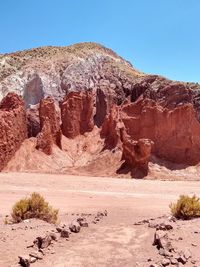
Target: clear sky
157, 36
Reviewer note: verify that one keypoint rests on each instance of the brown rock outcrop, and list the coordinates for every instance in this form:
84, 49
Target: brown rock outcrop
77, 113
110, 130
45, 139
13, 127
136, 155
33, 121
175, 132
47, 109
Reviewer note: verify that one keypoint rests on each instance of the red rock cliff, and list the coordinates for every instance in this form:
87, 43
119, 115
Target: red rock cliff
77, 111
175, 133
13, 127
50, 126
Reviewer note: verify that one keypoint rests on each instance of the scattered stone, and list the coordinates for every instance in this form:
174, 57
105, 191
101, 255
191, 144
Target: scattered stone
53, 236
24, 260
187, 253
38, 255
174, 261
64, 233
43, 242
105, 213
165, 226
75, 227
165, 262
82, 221
181, 259
32, 259
161, 240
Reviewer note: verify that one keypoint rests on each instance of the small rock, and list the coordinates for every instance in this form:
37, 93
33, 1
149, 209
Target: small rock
24, 260
182, 259
64, 233
100, 214
174, 261
187, 253
75, 227
82, 221
43, 242
32, 259
59, 229
53, 236
105, 213
161, 240
165, 262
38, 255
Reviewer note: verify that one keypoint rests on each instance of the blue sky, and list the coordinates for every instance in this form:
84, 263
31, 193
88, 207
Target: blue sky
157, 36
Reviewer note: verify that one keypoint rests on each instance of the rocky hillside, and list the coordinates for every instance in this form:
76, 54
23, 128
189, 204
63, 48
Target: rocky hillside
101, 115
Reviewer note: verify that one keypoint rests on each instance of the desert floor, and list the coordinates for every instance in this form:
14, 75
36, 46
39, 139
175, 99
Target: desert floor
114, 241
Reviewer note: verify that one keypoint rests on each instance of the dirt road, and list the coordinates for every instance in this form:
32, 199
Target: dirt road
113, 242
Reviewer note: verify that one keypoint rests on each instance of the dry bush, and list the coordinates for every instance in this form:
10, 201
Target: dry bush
186, 207
34, 207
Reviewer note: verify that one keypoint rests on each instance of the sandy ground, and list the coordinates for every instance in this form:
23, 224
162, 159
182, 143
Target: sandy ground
115, 241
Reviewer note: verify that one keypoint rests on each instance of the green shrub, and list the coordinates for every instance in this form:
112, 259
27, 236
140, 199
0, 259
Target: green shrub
186, 207
34, 207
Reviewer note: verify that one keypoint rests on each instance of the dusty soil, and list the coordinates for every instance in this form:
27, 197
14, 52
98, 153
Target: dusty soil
115, 240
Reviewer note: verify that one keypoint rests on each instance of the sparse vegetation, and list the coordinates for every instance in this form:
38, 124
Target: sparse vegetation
34, 207
186, 207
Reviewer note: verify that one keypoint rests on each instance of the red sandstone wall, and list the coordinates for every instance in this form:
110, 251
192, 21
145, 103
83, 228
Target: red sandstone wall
13, 127
77, 111
175, 132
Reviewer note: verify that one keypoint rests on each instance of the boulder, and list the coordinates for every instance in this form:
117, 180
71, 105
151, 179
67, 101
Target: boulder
136, 155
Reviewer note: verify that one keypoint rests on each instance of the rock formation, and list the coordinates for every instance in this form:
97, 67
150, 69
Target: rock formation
77, 113
45, 139
137, 155
87, 88
47, 110
13, 127
50, 126
175, 132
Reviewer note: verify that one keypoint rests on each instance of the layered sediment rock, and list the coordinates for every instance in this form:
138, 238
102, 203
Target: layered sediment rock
111, 128
50, 126
47, 109
98, 89
77, 112
13, 127
45, 139
175, 132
